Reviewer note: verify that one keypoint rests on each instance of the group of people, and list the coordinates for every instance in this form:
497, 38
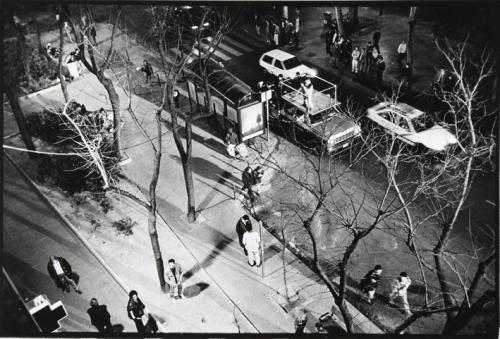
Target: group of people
252, 181
399, 287
282, 33
366, 59
249, 240
61, 272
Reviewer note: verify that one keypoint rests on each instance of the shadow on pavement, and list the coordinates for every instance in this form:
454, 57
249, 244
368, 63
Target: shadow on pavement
194, 290
118, 328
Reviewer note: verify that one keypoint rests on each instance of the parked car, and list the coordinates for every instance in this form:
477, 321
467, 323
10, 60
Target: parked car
278, 62
410, 125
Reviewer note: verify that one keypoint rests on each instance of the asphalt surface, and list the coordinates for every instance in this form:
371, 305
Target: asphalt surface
32, 232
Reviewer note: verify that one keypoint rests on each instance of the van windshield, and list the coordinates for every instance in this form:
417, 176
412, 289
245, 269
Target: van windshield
291, 63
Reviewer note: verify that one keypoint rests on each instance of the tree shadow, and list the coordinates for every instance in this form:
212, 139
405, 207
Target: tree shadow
194, 290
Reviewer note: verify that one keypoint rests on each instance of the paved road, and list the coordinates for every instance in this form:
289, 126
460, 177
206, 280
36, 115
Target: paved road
32, 232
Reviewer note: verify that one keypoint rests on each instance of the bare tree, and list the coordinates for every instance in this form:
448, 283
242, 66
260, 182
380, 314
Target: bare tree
435, 188
177, 28
323, 200
96, 60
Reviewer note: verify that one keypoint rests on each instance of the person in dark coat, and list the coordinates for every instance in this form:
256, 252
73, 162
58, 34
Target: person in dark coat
380, 70
369, 283
248, 181
99, 316
376, 40
406, 72
135, 311
148, 69
369, 56
328, 41
60, 270
241, 227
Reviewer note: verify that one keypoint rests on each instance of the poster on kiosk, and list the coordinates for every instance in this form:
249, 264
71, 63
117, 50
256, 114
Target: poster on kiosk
251, 120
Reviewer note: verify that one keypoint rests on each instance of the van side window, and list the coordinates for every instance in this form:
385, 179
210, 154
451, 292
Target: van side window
267, 59
278, 64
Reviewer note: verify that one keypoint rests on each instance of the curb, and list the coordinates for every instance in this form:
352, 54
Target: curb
118, 280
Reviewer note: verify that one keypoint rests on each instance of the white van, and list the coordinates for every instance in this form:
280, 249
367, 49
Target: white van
279, 62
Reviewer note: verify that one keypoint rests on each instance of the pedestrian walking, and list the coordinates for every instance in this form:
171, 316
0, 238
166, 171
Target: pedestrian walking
380, 70
407, 74
248, 180
301, 321
402, 53
399, 288
148, 70
257, 23
174, 279
251, 240
136, 311
60, 270
376, 39
355, 55
258, 173
369, 283
100, 317
241, 227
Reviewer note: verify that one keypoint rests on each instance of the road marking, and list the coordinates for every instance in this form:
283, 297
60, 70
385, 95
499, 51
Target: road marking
217, 53
238, 44
230, 50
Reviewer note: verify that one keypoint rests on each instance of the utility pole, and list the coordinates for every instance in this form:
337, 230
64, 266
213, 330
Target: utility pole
411, 28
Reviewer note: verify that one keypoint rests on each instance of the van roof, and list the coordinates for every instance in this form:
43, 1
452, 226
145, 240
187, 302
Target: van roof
279, 54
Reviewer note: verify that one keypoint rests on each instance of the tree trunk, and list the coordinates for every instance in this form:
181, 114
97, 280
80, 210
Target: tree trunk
60, 74
340, 24
152, 208
25, 52
411, 28
115, 104
11, 92
188, 173
465, 315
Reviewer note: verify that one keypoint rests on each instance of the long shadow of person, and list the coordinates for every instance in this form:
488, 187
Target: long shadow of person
194, 290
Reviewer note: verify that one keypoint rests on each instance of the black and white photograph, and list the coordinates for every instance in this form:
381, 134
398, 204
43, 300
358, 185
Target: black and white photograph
248, 168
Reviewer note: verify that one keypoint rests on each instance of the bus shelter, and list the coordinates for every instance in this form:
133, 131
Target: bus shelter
233, 101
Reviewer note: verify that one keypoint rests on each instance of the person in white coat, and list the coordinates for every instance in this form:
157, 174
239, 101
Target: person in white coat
399, 288
251, 241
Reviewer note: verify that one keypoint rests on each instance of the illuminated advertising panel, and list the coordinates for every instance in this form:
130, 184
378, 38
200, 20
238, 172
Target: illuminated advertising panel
252, 120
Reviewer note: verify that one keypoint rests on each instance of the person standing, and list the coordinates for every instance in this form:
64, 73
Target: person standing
362, 60
60, 270
256, 19
301, 321
279, 92
307, 91
376, 39
258, 173
399, 288
251, 240
328, 41
370, 60
369, 283
135, 310
407, 73
231, 140
356, 54
296, 31
174, 279
241, 227
289, 32
276, 36
380, 70
402, 53
267, 31
148, 70
99, 316
248, 181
